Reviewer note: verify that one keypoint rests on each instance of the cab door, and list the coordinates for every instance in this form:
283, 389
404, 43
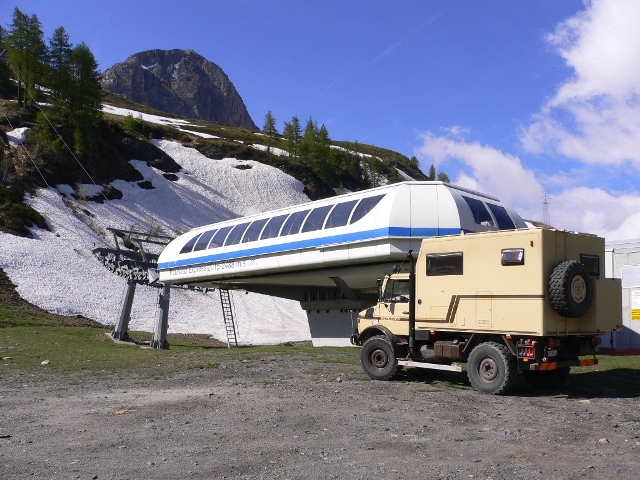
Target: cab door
395, 300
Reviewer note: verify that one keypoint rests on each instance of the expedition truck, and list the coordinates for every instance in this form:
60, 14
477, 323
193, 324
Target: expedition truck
532, 301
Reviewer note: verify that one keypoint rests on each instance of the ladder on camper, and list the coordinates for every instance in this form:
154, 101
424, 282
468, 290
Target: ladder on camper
227, 315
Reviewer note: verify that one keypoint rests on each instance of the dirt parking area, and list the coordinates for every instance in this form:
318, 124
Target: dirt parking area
297, 417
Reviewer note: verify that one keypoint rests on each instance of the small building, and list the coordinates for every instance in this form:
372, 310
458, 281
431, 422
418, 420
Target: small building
623, 261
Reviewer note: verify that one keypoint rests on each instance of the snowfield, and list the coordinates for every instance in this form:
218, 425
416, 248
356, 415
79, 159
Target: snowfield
56, 270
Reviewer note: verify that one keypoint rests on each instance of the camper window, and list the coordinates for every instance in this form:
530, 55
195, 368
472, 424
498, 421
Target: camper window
444, 264
512, 256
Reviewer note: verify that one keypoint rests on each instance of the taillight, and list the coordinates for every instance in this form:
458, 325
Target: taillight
527, 349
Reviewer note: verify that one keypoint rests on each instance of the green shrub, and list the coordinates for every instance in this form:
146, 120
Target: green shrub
15, 216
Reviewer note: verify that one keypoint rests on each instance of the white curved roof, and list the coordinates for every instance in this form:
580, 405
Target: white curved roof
371, 226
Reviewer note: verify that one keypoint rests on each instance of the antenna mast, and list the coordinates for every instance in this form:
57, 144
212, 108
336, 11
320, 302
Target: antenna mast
545, 208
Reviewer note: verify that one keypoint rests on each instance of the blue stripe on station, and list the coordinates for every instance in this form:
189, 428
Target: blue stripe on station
313, 243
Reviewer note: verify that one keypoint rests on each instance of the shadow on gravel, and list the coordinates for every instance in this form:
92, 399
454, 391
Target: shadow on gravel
615, 383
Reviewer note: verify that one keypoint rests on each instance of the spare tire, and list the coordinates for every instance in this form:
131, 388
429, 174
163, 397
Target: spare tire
570, 289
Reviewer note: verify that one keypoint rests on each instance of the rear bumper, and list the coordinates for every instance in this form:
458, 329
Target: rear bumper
546, 366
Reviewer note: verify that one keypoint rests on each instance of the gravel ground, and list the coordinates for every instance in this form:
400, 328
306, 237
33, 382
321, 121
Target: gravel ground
297, 417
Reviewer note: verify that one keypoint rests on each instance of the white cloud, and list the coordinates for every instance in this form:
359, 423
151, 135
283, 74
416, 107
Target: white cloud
576, 208
485, 169
595, 211
602, 45
594, 116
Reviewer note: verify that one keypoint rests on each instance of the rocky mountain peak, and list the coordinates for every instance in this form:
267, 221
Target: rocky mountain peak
180, 82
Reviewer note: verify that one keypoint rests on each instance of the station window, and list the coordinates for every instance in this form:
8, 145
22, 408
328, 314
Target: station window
272, 228
481, 215
444, 264
189, 245
203, 241
253, 232
339, 216
236, 234
502, 217
218, 238
293, 223
315, 220
364, 207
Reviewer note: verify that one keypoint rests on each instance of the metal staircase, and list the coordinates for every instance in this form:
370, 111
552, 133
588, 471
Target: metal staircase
227, 315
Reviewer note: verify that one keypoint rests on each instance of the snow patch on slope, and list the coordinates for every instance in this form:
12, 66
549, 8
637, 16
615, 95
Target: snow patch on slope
57, 271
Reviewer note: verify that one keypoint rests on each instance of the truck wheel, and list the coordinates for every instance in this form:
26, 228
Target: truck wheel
570, 289
492, 369
378, 359
547, 380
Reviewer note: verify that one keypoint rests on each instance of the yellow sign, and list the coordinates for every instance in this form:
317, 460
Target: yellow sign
635, 314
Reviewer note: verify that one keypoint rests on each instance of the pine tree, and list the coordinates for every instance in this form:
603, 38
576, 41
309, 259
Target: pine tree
269, 129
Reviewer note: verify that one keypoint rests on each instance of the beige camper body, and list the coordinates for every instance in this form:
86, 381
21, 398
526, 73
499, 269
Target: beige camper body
539, 296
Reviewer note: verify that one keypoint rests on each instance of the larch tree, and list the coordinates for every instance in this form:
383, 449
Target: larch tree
17, 48
269, 129
86, 96
5, 76
60, 60
432, 173
326, 165
308, 143
291, 134
27, 54
443, 177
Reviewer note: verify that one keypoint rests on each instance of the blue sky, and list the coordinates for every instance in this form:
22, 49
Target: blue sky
512, 98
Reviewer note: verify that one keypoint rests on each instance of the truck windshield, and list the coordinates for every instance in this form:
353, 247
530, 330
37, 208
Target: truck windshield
396, 291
